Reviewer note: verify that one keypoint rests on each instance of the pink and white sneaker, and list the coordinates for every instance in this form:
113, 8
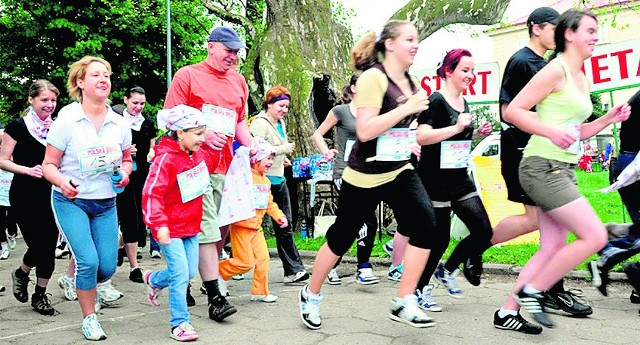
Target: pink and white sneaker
184, 332
152, 292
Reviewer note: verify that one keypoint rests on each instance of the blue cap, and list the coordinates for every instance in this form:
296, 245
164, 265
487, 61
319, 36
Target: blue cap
226, 36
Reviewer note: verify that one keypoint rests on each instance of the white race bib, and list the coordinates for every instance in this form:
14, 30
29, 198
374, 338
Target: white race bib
261, 196
220, 119
573, 127
98, 159
455, 154
394, 145
193, 182
5, 184
347, 149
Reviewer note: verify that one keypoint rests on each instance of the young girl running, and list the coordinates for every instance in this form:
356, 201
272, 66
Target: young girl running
446, 132
172, 207
379, 170
247, 237
560, 92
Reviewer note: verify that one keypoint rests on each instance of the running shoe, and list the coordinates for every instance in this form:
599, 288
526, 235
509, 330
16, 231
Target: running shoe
220, 309
11, 240
264, 298
91, 328
68, 285
532, 303
40, 302
155, 254
299, 277
388, 248
184, 332
107, 292
365, 275
472, 270
395, 272
4, 254
515, 323
406, 310
310, 309
20, 287
333, 278
444, 278
152, 292
425, 301
567, 302
634, 297
136, 275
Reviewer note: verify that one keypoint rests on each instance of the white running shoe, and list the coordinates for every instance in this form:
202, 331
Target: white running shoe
333, 278
406, 310
107, 292
68, 285
155, 254
91, 328
264, 298
11, 239
4, 254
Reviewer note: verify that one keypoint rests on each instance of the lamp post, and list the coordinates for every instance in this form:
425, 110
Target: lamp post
168, 43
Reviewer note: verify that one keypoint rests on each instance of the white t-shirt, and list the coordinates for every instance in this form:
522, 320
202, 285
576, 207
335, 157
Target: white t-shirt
88, 156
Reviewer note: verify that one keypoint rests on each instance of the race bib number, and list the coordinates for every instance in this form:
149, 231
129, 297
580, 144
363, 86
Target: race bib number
5, 184
193, 182
455, 154
347, 149
220, 119
98, 159
261, 196
394, 145
573, 128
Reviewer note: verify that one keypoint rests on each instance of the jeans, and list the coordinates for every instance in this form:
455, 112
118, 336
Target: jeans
91, 230
153, 245
181, 256
287, 250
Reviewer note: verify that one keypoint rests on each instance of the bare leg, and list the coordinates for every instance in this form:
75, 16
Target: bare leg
208, 262
400, 243
514, 226
414, 261
87, 299
324, 262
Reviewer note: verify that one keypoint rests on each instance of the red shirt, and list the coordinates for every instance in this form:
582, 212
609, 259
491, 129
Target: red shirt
199, 84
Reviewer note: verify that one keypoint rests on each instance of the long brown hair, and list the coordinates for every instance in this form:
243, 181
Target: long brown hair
366, 52
39, 86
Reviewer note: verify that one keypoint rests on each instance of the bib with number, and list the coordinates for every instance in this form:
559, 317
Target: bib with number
455, 154
98, 159
573, 127
394, 145
261, 196
220, 119
193, 182
5, 184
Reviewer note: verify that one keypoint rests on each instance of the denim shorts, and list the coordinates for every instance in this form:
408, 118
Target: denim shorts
549, 183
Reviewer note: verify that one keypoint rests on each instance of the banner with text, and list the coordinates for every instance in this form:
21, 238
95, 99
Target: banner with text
614, 66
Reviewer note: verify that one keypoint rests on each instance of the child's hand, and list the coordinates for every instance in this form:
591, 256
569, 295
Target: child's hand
283, 222
163, 236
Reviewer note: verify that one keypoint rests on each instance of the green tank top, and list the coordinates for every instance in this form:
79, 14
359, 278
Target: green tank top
567, 110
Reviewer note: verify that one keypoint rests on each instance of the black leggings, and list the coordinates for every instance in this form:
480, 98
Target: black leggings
7, 222
129, 208
472, 213
407, 198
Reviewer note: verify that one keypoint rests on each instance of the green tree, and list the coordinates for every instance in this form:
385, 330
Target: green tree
41, 40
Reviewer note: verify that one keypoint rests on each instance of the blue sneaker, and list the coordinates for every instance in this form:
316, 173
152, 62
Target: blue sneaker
444, 278
395, 272
365, 275
425, 301
388, 247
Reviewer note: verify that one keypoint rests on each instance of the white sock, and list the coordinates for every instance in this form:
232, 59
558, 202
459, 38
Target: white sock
502, 313
530, 290
312, 295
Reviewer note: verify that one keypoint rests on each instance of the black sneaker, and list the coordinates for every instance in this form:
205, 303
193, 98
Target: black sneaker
136, 275
20, 287
40, 302
515, 323
634, 297
472, 270
220, 309
532, 303
190, 300
567, 302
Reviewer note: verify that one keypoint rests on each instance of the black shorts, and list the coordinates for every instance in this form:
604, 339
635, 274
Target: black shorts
510, 157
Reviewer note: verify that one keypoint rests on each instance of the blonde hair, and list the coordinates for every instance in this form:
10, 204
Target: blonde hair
366, 52
77, 71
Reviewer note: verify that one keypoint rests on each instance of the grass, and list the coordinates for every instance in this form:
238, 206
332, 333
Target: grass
608, 207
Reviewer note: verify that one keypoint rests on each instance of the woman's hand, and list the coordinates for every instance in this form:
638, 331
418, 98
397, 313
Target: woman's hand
329, 154
125, 179
464, 121
48, 122
163, 236
287, 162
36, 171
418, 102
484, 129
416, 149
215, 139
133, 149
562, 139
283, 222
69, 189
619, 113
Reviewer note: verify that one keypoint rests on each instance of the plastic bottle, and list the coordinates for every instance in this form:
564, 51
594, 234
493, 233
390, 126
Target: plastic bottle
116, 177
303, 229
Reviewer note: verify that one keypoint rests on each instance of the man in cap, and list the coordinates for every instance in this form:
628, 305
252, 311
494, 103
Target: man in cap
521, 67
221, 93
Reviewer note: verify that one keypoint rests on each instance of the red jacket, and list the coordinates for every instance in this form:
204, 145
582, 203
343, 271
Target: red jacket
161, 199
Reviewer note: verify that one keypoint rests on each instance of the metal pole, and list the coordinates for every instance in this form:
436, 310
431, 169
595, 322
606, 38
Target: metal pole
168, 43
